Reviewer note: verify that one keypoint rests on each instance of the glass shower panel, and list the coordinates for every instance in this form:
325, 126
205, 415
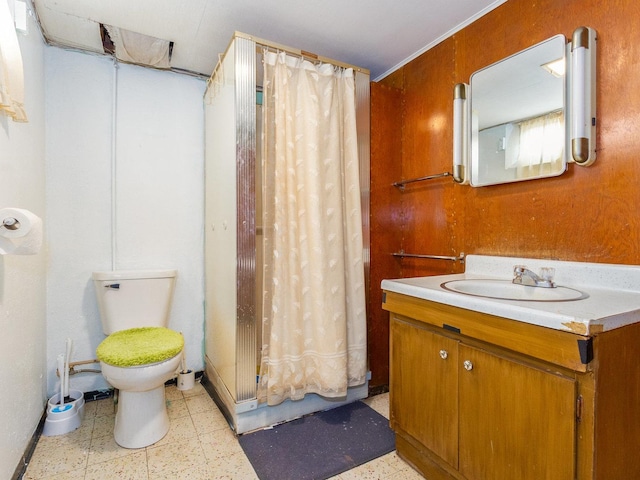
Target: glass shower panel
229, 220
245, 80
220, 221
259, 230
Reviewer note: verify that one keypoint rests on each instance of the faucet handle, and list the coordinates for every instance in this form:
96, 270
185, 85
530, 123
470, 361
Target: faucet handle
518, 272
519, 269
547, 273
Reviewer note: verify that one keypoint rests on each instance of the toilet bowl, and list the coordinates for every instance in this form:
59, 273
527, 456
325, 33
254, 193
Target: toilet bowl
139, 354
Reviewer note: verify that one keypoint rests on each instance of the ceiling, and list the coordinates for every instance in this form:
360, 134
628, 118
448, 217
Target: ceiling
379, 35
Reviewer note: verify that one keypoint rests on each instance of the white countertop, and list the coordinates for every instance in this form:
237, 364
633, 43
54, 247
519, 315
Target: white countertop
614, 293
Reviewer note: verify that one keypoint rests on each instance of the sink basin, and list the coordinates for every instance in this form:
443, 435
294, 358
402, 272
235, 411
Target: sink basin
506, 290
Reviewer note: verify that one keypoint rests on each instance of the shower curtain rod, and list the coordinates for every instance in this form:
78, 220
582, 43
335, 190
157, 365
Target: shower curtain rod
295, 51
261, 43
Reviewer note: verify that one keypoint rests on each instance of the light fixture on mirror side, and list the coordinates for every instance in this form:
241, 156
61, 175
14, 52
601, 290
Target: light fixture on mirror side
583, 96
460, 134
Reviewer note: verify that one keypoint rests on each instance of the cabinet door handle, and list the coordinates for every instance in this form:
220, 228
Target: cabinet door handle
444, 354
468, 366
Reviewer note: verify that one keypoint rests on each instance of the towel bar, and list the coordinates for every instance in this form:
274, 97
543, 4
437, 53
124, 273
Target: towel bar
401, 184
401, 254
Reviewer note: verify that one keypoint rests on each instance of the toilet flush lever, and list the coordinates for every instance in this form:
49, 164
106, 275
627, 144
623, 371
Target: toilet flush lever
115, 286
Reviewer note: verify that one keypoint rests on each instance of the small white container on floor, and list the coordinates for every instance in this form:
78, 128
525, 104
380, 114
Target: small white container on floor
186, 380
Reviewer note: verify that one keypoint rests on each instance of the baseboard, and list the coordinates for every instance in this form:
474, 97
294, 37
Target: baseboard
31, 446
378, 389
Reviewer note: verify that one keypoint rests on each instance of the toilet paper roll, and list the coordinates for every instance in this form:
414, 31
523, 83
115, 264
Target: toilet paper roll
26, 219
24, 240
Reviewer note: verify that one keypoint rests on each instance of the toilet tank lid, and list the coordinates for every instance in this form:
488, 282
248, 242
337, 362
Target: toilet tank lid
133, 274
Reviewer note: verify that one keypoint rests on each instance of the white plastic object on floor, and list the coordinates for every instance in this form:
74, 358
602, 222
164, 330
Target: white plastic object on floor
186, 380
64, 417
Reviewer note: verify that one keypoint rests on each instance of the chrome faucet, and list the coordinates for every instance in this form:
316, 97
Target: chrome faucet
523, 276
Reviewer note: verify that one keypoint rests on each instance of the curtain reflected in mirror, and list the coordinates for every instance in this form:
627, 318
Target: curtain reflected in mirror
541, 148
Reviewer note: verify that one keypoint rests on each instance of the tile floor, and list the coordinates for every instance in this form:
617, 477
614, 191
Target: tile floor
199, 445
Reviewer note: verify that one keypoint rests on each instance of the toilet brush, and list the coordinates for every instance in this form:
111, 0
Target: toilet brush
66, 370
183, 361
60, 360
65, 409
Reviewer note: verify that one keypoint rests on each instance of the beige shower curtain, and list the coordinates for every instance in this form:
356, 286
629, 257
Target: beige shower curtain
314, 325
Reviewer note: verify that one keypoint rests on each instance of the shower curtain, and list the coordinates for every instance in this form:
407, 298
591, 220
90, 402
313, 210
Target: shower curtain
314, 314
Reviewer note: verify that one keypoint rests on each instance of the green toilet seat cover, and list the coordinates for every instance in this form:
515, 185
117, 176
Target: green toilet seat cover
139, 346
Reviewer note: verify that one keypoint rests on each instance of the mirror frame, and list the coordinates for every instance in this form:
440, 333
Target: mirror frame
579, 108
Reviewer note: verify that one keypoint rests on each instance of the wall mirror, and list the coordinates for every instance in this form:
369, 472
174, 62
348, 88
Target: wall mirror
526, 116
517, 116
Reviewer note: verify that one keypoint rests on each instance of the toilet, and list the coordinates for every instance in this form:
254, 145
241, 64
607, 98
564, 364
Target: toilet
140, 353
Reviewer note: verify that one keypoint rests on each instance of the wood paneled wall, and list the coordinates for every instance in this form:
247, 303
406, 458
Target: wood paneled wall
386, 222
589, 214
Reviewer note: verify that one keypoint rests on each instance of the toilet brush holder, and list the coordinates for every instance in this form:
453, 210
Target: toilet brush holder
66, 417
186, 380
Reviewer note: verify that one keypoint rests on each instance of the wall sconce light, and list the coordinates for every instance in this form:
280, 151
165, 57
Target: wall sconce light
583, 96
460, 134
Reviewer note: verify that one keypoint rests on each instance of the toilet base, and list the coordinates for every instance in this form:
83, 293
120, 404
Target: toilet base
141, 419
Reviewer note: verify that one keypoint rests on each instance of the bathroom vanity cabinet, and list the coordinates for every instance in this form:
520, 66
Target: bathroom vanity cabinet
476, 396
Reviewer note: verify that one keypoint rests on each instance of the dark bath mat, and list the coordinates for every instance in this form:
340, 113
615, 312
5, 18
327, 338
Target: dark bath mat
320, 445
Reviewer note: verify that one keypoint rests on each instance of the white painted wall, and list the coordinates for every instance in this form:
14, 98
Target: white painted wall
48, 297
22, 278
158, 218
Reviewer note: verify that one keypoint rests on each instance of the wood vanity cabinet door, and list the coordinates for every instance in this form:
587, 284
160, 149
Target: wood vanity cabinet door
516, 422
424, 386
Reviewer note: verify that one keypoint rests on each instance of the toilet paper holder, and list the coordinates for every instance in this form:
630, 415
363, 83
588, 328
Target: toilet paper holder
20, 232
10, 223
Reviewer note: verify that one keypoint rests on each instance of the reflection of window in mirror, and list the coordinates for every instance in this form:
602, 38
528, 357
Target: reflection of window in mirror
541, 144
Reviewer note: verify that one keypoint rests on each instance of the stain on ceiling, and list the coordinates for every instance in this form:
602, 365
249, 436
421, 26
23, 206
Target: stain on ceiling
379, 35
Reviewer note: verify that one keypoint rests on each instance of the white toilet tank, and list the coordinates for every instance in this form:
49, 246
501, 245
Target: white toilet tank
134, 298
